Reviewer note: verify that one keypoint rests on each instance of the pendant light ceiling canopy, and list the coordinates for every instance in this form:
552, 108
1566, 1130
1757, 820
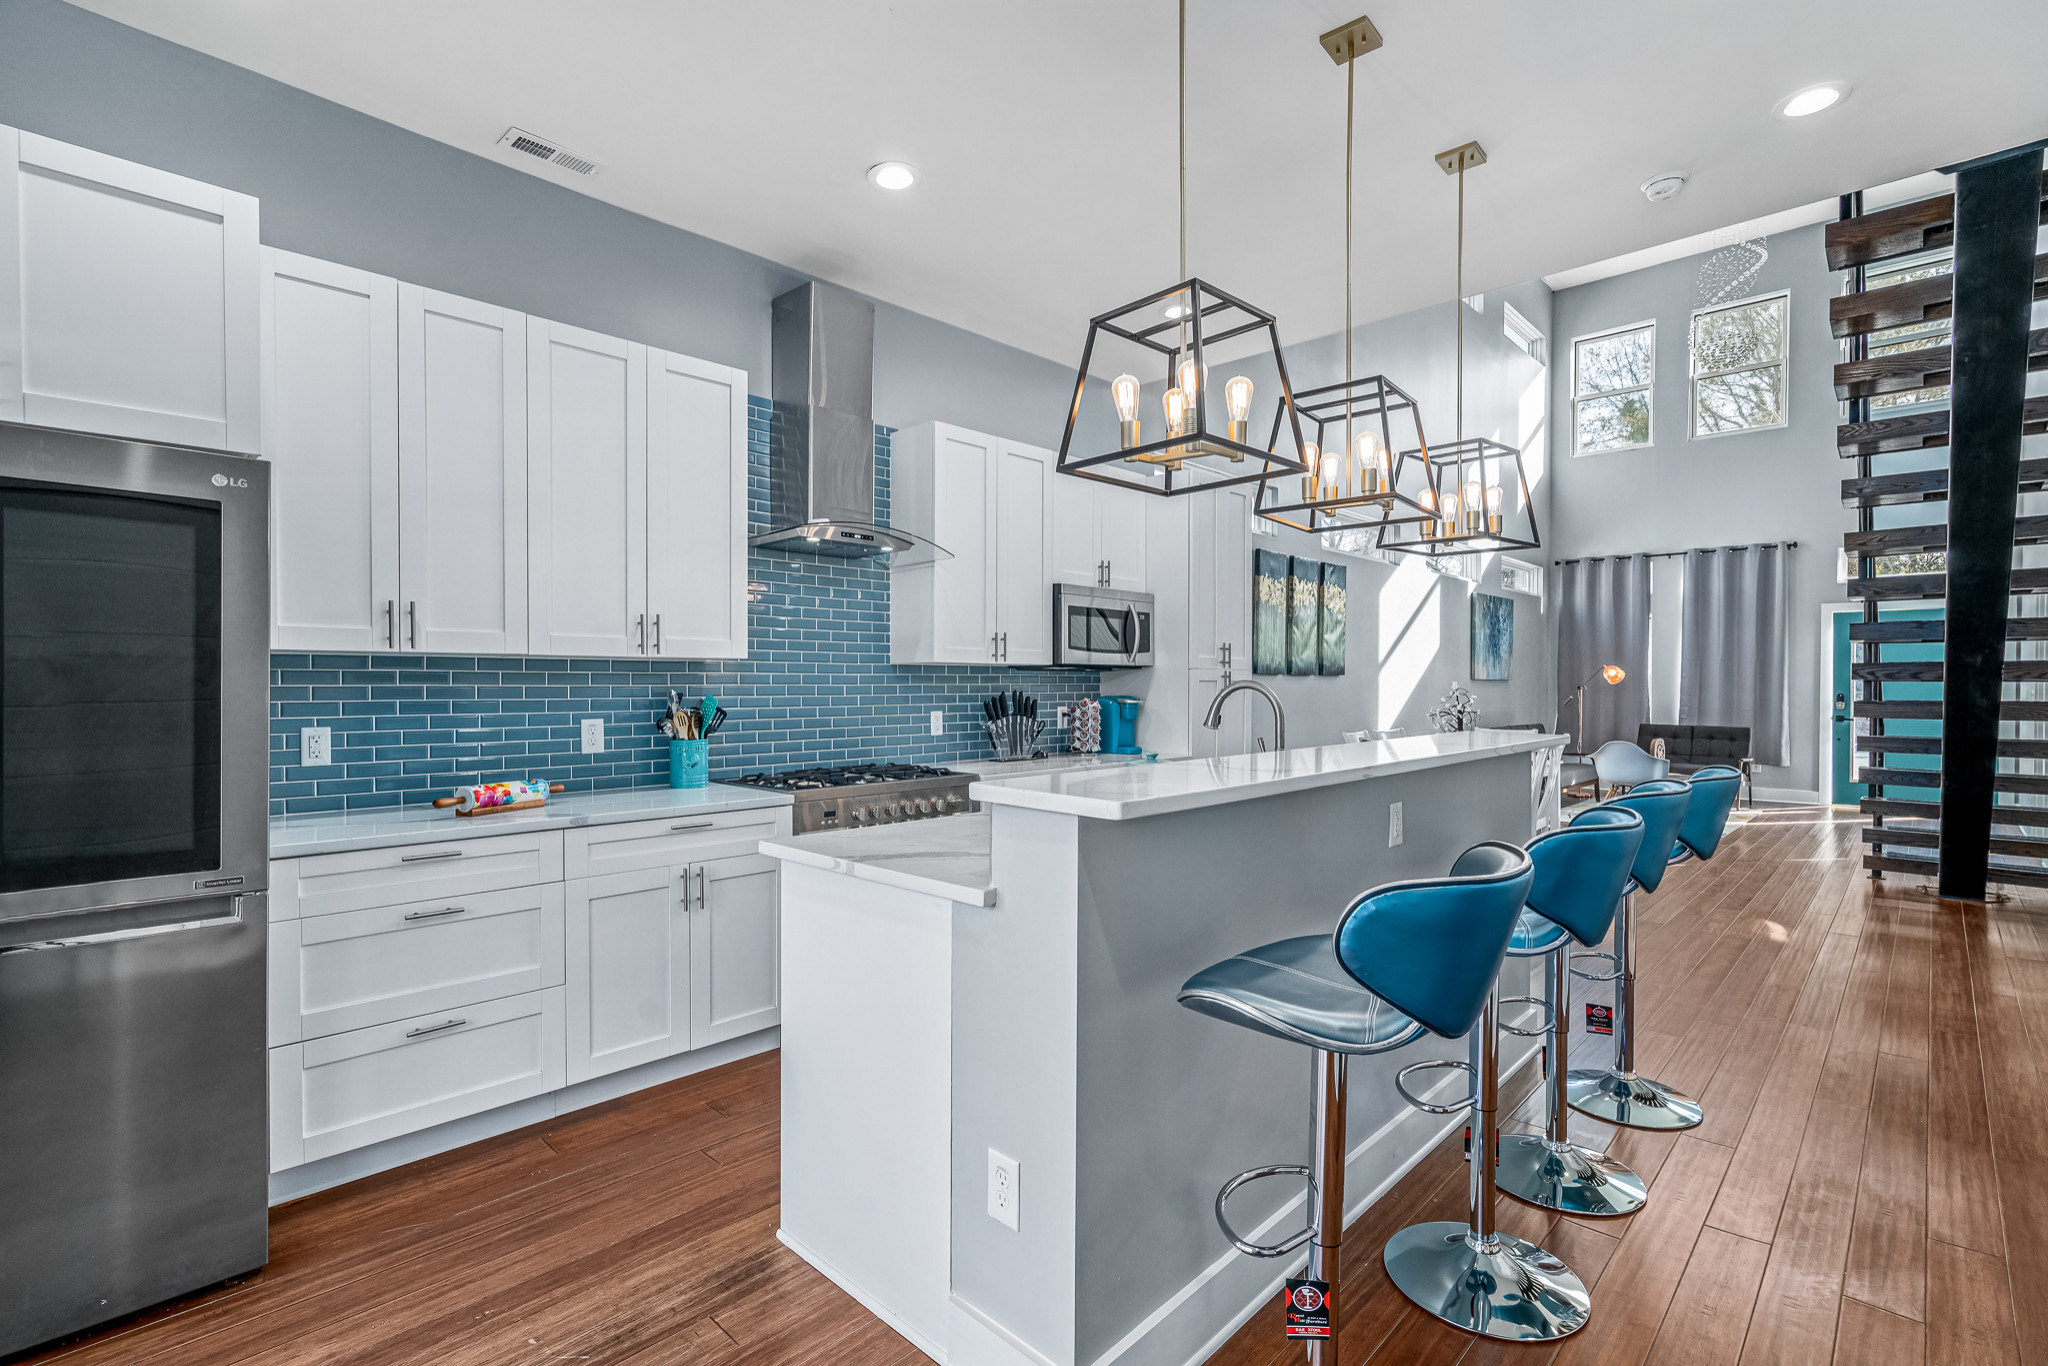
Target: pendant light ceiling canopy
1478, 498
1200, 439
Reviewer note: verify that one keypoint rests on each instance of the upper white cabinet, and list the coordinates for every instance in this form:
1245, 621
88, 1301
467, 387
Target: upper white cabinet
1220, 579
330, 429
586, 467
128, 298
462, 475
1098, 535
696, 508
636, 476
989, 502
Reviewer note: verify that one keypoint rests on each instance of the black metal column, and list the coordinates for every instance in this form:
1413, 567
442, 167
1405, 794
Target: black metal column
1998, 209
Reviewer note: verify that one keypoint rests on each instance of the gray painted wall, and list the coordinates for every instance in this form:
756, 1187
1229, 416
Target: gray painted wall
343, 186
1782, 484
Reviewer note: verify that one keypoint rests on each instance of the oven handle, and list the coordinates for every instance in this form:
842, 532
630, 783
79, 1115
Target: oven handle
80, 941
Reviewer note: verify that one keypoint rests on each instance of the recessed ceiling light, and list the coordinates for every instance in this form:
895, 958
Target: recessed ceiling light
893, 175
1173, 310
1812, 100
1659, 188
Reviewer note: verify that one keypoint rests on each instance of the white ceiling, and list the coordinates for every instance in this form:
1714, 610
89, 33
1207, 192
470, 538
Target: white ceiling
1044, 131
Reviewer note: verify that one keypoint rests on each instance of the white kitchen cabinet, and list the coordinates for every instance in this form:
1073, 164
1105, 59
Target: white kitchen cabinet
987, 501
461, 514
329, 370
734, 951
128, 298
696, 508
587, 492
629, 969
1220, 580
1098, 535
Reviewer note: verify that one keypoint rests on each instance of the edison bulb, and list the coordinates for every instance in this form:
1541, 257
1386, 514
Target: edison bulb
1372, 461
1175, 402
1312, 461
1191, 377
1123, 391
1493, 501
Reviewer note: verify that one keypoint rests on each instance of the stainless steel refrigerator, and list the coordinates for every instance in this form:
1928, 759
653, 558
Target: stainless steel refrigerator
134, 729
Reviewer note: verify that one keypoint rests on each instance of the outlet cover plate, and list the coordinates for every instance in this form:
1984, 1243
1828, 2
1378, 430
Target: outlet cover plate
593, 735
316, 746
1002, 1189
1394, 834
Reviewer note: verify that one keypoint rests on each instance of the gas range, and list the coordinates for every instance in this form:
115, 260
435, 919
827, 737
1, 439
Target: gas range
857, 795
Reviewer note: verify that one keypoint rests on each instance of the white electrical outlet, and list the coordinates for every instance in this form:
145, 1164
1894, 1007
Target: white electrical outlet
1393, 824
593, 735
1002, 1189
1060, 719
316, 746
938, 722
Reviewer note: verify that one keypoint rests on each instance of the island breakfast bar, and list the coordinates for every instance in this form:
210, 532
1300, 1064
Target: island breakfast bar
1000, 1130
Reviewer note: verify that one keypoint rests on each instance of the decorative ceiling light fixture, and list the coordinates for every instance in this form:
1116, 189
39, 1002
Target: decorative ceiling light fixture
1358, 483
1467, 500
1177, 326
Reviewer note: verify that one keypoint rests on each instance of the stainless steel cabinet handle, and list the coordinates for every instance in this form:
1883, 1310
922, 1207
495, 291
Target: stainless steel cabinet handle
427, 858
425, 1030
390, 623
992, 648
435, 915
701, 892
1005, 654
657, 633
412, 625
643, 633
694, 825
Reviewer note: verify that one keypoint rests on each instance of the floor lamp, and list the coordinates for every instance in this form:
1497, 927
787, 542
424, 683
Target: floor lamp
1612, 673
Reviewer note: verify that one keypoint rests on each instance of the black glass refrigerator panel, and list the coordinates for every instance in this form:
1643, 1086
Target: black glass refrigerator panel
110, 686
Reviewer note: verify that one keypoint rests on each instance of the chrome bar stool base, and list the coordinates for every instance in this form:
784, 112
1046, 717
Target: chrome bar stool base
1499, 1288
1632, 1101
1567, 1178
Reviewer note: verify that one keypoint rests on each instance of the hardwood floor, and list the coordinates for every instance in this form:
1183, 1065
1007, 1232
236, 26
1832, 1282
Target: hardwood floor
1867, 1188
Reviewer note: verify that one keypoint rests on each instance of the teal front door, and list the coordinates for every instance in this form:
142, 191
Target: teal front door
1847, 790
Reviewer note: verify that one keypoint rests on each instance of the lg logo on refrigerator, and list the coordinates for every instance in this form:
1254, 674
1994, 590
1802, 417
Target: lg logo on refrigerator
221, 481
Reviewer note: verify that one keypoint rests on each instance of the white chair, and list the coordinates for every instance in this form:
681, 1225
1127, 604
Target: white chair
1619, 765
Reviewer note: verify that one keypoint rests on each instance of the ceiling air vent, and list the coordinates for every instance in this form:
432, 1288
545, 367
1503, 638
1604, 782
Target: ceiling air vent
544, 149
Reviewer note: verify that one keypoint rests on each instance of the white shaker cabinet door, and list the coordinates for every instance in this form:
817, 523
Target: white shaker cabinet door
696, 509
962, 588
1020, 505
1121, 534
1076, 532
734, 948
587, 492
330, 431
628, 969
462, 459
1228, 559
128, 298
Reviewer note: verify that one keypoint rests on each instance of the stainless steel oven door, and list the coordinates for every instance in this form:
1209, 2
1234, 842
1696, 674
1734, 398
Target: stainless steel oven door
1101, 628
134, 673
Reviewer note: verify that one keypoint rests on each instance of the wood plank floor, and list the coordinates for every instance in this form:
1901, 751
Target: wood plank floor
1867, 1189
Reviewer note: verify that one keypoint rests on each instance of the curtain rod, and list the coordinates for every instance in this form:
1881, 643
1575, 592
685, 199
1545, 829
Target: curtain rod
1671, 554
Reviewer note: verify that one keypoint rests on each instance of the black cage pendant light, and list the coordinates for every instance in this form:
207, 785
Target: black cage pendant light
1478, 498
1378, 472
1190, 451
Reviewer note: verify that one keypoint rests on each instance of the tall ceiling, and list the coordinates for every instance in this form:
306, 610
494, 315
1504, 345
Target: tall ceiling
1044, 131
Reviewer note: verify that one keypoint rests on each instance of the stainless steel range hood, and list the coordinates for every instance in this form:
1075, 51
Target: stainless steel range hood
821, 445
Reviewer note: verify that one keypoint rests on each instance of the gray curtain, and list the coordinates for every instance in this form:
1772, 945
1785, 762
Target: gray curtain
1732, 670
1604, 618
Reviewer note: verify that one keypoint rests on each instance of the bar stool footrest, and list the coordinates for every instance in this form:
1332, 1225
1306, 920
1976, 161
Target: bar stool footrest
1541, 1031
1293, 1240
1614, 976
1429, 1064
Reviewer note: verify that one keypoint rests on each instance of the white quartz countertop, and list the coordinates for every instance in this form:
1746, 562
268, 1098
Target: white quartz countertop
1133, 791
947, 858
341, 831
1051, 763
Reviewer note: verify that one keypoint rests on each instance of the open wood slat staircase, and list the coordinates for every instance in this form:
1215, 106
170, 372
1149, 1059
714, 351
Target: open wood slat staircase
1911, 843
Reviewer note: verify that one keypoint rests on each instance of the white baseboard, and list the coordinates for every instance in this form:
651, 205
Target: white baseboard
294, 1182
1795, 796
936, 1351
976, 1339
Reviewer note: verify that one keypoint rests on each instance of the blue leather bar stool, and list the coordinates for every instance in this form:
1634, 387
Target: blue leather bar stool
1616, 1094
1580, 873
1714, 793
1407, 959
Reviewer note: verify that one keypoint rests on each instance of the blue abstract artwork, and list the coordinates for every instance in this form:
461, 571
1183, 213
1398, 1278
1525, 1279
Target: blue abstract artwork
1493, 637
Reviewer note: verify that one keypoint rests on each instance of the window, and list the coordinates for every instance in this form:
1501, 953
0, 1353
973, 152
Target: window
1612, 375
1519, 576
1738, 366
1523, 333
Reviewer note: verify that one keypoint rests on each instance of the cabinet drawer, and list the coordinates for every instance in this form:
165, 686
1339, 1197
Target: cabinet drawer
360, 968
331, 883
348, 1090
672, 841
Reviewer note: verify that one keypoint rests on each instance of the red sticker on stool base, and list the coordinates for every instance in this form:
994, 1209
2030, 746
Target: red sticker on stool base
1308, 1309
1599, 1019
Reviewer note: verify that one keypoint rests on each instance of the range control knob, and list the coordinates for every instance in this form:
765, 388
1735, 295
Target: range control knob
955, 799
890, 811
924, 807
860, 815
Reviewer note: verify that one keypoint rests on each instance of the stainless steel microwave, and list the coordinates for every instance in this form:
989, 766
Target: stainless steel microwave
1100, 628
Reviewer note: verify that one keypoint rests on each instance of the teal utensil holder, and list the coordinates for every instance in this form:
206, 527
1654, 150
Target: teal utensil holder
689, 763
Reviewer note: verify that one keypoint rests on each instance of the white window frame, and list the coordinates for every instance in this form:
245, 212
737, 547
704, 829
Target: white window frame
1526, 336
1694, 375
1510, 567
1648, 391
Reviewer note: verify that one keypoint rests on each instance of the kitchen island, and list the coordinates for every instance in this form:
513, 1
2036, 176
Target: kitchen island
943, 1014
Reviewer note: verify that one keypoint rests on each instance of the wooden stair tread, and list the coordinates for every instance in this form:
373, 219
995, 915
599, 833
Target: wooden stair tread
1924, 225
1919, 431
1909, 540
1893, 586
1900, 372
1909, 303
1929, 709
1927, 867
1931, 839
1895, 808
1929, 671
1924, 486
1894, 632
1931, 744
2032, 784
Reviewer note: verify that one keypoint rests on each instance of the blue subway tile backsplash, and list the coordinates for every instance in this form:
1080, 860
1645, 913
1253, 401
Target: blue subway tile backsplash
817, 688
